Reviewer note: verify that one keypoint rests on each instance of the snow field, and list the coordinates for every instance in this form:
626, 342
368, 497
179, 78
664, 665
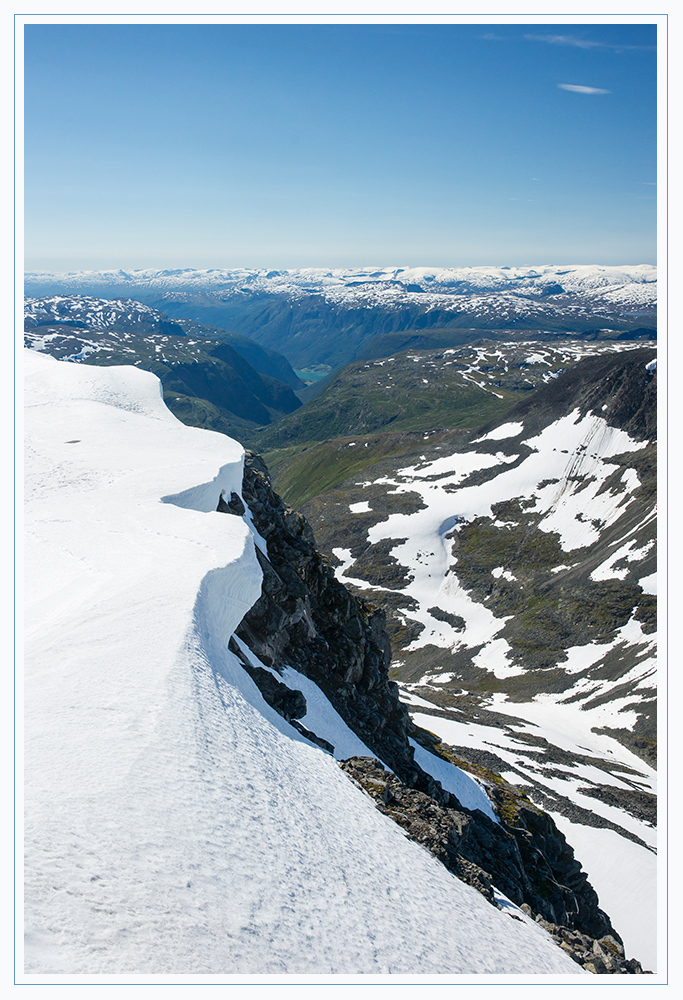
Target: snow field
625, 879
174, 824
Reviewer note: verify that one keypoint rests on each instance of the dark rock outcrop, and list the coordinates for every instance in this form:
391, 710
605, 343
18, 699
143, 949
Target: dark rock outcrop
307, 619
232, 506
621, 390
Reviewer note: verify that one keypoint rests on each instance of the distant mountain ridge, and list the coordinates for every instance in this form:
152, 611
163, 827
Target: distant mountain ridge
207, 382
88, 312
325, 316
614, 282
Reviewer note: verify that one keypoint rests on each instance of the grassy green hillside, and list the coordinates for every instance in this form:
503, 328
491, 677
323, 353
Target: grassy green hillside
304, 471
381, 408
385, 344
409, 392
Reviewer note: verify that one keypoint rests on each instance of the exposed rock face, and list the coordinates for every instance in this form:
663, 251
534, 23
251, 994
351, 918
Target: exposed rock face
531, 863
232, 506
305, 618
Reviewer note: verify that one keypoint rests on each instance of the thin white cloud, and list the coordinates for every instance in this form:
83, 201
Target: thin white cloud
579, 43
576, 88
583, 43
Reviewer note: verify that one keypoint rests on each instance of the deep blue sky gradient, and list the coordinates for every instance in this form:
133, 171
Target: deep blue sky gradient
334, 145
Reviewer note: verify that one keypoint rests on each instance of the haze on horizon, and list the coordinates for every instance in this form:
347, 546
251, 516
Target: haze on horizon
336, 145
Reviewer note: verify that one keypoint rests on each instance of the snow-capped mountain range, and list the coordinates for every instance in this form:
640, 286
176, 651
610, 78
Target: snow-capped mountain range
324, 316
628, 285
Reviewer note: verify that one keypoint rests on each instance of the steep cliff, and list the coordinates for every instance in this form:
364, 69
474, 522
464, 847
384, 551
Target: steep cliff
306, 619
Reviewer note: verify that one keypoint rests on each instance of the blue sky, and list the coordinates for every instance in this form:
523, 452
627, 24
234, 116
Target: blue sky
334, 145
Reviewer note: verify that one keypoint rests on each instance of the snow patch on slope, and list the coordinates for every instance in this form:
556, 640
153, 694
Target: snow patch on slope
565, 475
509, 430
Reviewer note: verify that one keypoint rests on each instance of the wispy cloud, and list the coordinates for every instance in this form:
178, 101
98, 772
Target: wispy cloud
579, 43
577, 88
582, 43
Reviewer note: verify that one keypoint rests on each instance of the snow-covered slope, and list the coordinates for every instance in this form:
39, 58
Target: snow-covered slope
519, 569
91, 313
174, 824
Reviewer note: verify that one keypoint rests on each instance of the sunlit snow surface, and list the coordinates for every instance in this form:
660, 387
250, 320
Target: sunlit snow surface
174, 824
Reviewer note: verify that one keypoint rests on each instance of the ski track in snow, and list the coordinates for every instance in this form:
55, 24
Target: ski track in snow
174, 824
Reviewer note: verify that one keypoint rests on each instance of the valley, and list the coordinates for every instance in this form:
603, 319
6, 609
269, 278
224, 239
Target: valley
207, 378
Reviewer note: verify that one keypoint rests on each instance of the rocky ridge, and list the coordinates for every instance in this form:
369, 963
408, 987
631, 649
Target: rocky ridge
530, 859
308, 620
